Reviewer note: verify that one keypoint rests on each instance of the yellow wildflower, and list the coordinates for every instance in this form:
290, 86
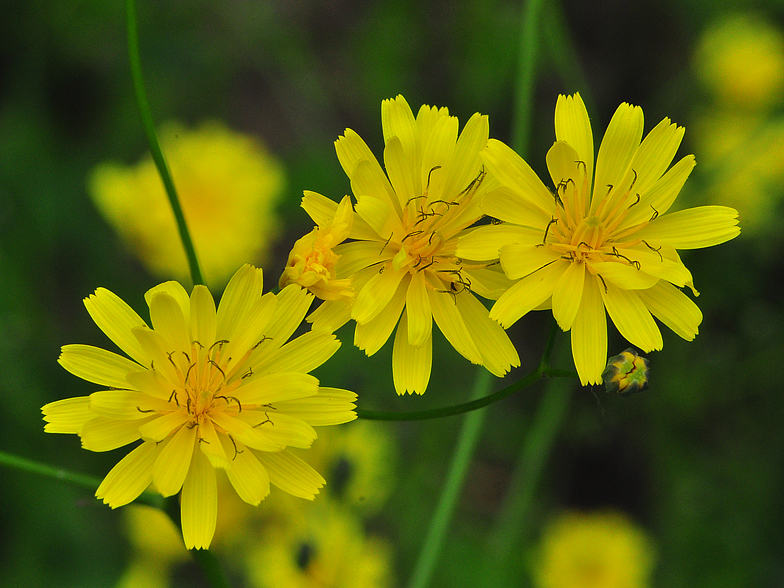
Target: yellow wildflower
403, 263
312, 260
204, 389
596, 550
580, 250
228, 185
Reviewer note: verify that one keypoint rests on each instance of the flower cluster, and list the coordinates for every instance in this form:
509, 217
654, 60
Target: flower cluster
598, 242
209, 388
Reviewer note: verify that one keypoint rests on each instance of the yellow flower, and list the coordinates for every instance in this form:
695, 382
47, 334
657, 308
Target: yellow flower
741, 59
204, 389
597, 550
312, 260
579, 251
228, 184
403, 263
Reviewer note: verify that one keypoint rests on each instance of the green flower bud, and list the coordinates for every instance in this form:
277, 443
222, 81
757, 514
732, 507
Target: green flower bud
626, 373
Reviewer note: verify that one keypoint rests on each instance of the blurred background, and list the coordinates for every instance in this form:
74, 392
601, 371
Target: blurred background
680, 486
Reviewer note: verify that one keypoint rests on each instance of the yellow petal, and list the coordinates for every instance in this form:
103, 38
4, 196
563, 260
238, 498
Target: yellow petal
330, 316
693, 228
510, 170
293, 303
291, 474
283, 429
372, 335
130, 477
483, 243
126, 404
673, 308
589, 334
466, 160
402, 171
176, 291
243, 432
658, 199
331, 406
420, 320
104, 433
519, 261
173, 462
568, 295
437, 151
488, 282
397, 121
203, 316
199, 506
623, 275
620, 143
303, 354
632, 318
655, 154
167, 319
241, 293
211, 445
506, 204
498, 353
162, 360
269, 388
376, 294
68, 415
452, 325
410, 365
573, 126
527, 294
158, 429
365, 181
97, 365
115, 318
248, 476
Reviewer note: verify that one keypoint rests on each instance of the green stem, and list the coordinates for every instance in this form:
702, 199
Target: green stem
469, 436
155, 147
455, 409
89, 482
524, 91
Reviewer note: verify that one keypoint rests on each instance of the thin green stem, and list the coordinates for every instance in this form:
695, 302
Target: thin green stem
88, 482
455, 409
466, 444
154, 144
524, 91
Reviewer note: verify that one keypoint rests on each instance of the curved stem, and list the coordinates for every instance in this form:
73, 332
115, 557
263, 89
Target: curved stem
455, 409
542, 371
88, 482
466, 444
155, 147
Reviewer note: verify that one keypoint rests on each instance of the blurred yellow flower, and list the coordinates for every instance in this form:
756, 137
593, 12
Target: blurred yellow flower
157, 548
403, 263
597, 243
205, 389
741, 59
328, 550
595, 550
312, 260
744, 153
228, 185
